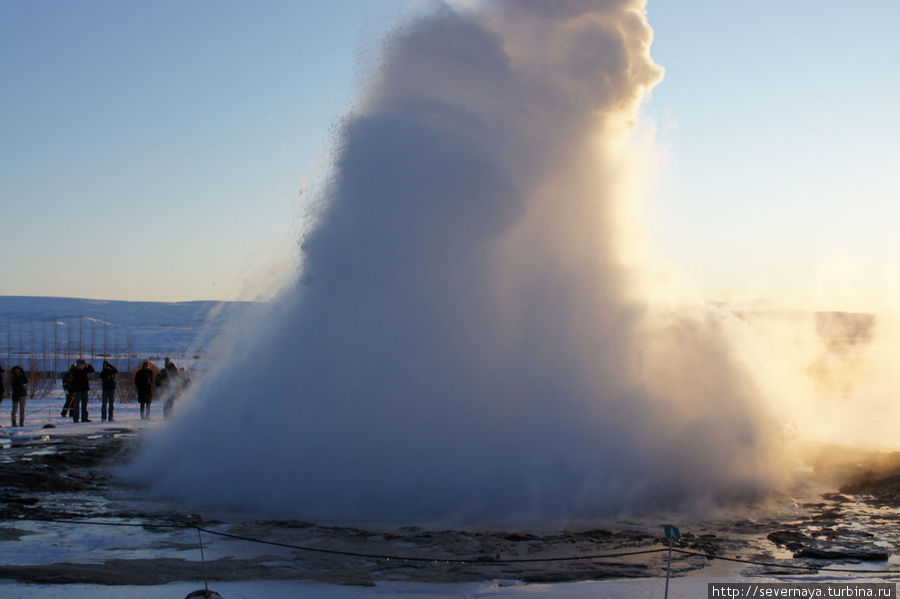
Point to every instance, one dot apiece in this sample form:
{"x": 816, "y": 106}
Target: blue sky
{"x": 155, "y": 150}
{"x": 780, "y": 124}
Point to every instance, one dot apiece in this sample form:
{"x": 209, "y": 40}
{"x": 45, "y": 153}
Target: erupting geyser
{"x": 466, "y": 340}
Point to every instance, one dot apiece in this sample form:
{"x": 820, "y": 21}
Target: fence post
{"x": 672, "y": 534}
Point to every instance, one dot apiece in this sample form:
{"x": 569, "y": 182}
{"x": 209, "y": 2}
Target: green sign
{"x": 672, "y": 532}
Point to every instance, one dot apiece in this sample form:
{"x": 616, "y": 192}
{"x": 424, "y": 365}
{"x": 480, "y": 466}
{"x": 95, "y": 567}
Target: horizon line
{"x": 98, "y": 299}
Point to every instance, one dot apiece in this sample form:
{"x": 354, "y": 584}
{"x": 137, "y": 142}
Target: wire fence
{"x": 46, "y": 347}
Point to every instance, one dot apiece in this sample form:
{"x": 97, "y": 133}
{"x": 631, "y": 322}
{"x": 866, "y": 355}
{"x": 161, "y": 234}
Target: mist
{"x": 472, "y": 336}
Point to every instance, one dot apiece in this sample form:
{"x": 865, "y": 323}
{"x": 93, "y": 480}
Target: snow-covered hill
{"x": 68, "y": 327}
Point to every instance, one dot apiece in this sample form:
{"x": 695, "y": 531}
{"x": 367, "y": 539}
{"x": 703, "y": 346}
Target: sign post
{"x": 672, "y": 535}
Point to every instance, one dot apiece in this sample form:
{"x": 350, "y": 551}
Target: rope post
{"x": 672, "y": 534}
{"x": 668, "y": 568}
{"x": 203, "y": 562}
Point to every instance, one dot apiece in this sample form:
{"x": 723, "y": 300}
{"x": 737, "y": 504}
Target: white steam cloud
{"x": 468, "y": 340}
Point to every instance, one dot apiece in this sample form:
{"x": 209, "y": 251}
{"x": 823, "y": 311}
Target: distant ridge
{"x": 29, "y": 324}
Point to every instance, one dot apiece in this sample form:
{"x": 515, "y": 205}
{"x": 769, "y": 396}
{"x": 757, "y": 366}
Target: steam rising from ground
{"x": 471, "y": 338}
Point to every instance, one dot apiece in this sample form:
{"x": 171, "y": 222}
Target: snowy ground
{"x": 649, "y": 588}
{"x": 41, "y": 412}
{"x": 154, "y": 563}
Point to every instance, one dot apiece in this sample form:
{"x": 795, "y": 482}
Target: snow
{"x": 45, "y": 543}
{"x": 42, "y": 411}
{"x": 86, "y": 326}
{"x": 644, "y": 588}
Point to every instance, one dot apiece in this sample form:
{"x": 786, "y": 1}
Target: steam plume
{"x": 467, "y": 340}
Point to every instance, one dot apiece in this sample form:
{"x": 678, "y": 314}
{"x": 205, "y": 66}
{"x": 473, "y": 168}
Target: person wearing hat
{"x": 108, "y": 379}
{"x": 80, "y": 387}
{"x": 143, "y": 382}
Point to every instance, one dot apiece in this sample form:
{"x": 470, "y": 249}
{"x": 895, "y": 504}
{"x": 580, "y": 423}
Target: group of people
{"x": 18, "y": 392}
{"x": 76, "y": 384}
{"x": 167, "y": 384}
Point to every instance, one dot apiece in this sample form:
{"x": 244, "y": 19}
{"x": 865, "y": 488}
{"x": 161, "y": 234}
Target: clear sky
{"x": 155, "y": 150}
{"x": 780, "y": 121}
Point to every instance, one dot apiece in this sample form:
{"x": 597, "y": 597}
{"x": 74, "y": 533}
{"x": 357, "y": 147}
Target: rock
{"x": 789, "y": 539}
{"x": 836, "y": 497}
{"x": 841, "y": 544}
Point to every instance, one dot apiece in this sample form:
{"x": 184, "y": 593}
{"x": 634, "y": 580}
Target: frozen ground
{"x": 50, "y": 477}
{"x": 41, "y": 412}
{"x": 648, "y": 588}
{"x": 683, "y": 588}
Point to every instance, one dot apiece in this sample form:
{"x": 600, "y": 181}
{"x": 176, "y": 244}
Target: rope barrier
{"x": 446, "y": 560}
{"x": 451, "y": 560}
{"x": 381, "y": 556}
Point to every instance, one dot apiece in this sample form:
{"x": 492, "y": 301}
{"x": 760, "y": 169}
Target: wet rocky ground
{"x": 58, "y": 495}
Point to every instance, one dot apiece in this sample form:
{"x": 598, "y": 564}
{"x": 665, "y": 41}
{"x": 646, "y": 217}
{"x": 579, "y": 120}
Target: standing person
{"x": 171, "y": 371}
{"x": 170, "y": 379}
{"x": 80, "y": 387}
{"x": 67, "y": 388}
{"x": 108, "y": 379}
{"x": 143, "y": 382}
{"x": 184, "y": 375}
{"x": 18, "y": 390}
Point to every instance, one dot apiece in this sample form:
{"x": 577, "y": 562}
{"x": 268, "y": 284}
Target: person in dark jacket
{"x": 18, "y": 390}
{"x": 108, "y": 396}
{"x": 143, "y": 382}
{"x": 170, "y": 386}
{"x": 80, "y": 387}
{"x": 68, "y": 409}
